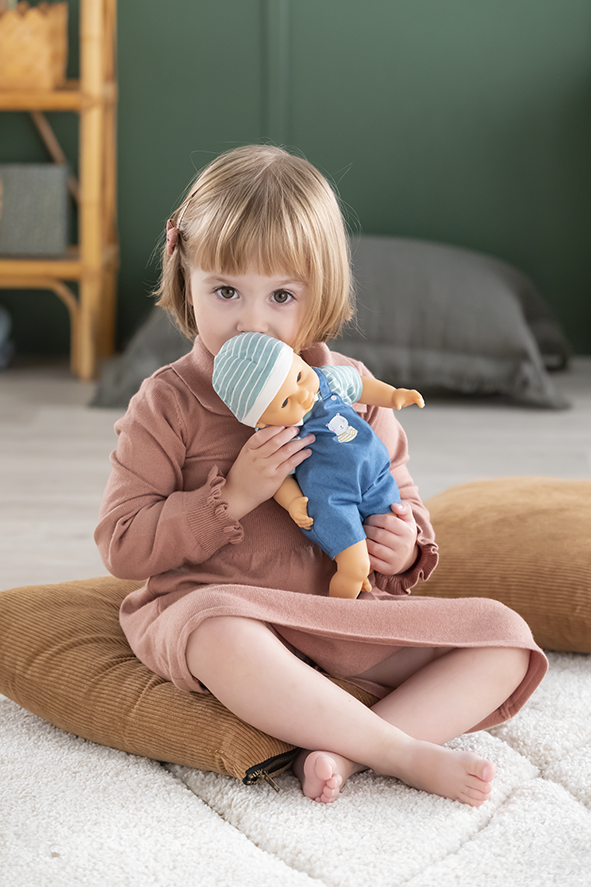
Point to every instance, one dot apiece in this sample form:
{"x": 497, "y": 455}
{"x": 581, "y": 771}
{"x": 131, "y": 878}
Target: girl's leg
{"x": 247, "y": 667}
{"x": 440, "y": 694}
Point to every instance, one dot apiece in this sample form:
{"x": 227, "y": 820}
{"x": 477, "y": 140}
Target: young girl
{"x": 237, "y": 600}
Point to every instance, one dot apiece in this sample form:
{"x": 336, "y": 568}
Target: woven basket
{"x": 34, "y": 46}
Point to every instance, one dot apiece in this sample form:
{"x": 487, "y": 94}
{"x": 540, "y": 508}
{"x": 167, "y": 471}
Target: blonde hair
{"x": 261, "y": 206}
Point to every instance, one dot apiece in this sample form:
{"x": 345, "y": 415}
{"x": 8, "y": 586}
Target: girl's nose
{"x": 252, "y": 322}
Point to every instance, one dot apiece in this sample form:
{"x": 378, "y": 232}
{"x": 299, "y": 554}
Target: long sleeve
{"x": 149, "y": 523}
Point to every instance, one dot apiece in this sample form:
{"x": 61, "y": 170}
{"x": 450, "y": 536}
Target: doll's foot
{"x": 352, "y": 573}
{"x": 322, "y": 775}
{"x": 344, "y": 587}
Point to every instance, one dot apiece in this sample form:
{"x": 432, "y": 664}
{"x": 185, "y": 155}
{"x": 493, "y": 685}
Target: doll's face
{"x": 295, "y": 397}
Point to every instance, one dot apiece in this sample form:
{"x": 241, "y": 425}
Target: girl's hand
{"x": 262, "y": 465}
{"x": 392, "y": 540}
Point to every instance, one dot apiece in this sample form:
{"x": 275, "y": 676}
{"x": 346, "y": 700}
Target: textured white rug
{"x": 72, "y": 813}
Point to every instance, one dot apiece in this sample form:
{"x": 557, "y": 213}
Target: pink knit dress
{"x": 163, "y": 518}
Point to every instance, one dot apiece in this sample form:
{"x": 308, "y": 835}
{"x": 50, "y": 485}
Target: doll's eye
{"x": 284, "y": 404}
{"x": 282, "y": 296}
{"x": 299, "y": 377}
{"x": 226, "y": 292}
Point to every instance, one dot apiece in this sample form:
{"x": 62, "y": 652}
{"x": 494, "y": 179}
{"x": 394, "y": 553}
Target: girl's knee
{"x": 218, "y": 637}
{"x": 219, "y": 631}
{"x": 518, "y": 661}
{"x": 209, "y": 641}
{"x": 508, "y": 664}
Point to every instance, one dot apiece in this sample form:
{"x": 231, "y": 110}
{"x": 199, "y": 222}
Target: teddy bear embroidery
{"x": 339, "y": 426}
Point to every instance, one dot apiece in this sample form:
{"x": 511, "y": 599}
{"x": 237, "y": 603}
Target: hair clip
{"x": 172, "y": 235}
{"x": 173, "y": 231}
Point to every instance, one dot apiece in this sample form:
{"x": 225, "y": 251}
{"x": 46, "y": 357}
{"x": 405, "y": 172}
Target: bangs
{"x": 260, "y": 236}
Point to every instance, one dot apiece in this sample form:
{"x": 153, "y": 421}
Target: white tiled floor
{"x": 54, "y": 459}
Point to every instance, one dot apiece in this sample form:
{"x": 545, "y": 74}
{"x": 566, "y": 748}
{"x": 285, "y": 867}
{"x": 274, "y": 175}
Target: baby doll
{"x": 347, "y": 477}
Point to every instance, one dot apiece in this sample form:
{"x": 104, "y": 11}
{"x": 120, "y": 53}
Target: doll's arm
{"x": 289, "y": 496}
{"x": 380, "y": 394}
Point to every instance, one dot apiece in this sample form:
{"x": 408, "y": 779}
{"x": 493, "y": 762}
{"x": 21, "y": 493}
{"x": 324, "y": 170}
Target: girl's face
{"x": 228, "y": 304}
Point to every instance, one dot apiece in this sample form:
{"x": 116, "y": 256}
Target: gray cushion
{"x": 430, "y": 316}
{"x": 156, "y": 343}
{"x": 434, "y": 316}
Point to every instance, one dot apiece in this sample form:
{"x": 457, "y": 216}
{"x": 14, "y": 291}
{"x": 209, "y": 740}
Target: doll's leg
{"x": 352, "y": 571}
{"x": 246, "y": 666}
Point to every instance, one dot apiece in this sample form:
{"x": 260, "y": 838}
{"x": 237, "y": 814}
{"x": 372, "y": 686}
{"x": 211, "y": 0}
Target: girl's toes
{"x": 320, "y": 778}
{"x": 331, "y": 790}
{"x": 471, "y": 802}
{"x": 333, "y": 785}
{"x": 473, "y": 795}
{"x": 478, "y": 785}
{"x": 484, "y": 770}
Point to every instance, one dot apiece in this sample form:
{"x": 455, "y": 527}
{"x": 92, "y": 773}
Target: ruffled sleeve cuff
{"x": 419, "y": 572}
{"x": 208, "y": 518}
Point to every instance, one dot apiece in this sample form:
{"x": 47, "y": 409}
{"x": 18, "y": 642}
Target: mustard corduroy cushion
{"x": 524, "y": 541}
{"x": 64, "y": 657}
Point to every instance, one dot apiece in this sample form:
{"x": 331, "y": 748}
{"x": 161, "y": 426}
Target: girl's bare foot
{"x": 321, "y": 774}
{"x": 460, "y": 775}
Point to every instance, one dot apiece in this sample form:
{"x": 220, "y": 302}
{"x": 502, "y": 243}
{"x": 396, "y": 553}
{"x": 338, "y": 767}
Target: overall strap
{"x": 325, "y": 389}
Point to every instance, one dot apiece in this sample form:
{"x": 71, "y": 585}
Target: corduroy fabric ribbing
{"x": 64, "y": 657}
{"x": 525, "y": 541}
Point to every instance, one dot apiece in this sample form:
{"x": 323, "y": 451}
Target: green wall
{"x": 461, "y": 121}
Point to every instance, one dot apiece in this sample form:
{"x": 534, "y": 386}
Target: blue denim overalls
{"x": 347, "y": 477}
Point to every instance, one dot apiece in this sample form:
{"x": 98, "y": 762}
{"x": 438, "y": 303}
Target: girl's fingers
{"x": 269, "y": 444}
{"x": 267, "y": 434}
{"x": 379, "y": 553}
{"x": 379, "y": 566}
{"x": 293, "y": 452}
{"x": 297, "y": 459}
{"x": 385, "y": 530}
{"x": 403, "y": 511}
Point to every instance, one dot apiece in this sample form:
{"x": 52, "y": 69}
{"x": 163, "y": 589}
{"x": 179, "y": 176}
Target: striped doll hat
{"x": 248, "y": 371}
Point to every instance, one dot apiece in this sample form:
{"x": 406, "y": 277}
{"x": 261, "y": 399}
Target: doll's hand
{"x": 262, "y": 465}
{"x": 392, "y": 540}
{"x": 404, "y": 397}
{"x": 298, "y": 511}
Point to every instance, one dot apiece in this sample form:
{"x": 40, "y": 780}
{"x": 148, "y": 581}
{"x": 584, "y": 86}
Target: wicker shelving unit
{"x": 95, "y": 260}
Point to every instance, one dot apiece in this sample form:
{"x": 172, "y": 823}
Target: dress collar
{"x": 195, "y": 370}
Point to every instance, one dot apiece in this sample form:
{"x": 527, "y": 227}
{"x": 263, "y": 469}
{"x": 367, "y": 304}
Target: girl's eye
{"x": 284, "y": 404}
{"x": 299, "y": 377}
{"x": 226, "y": 292}
{"x": 282, "y": 296}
